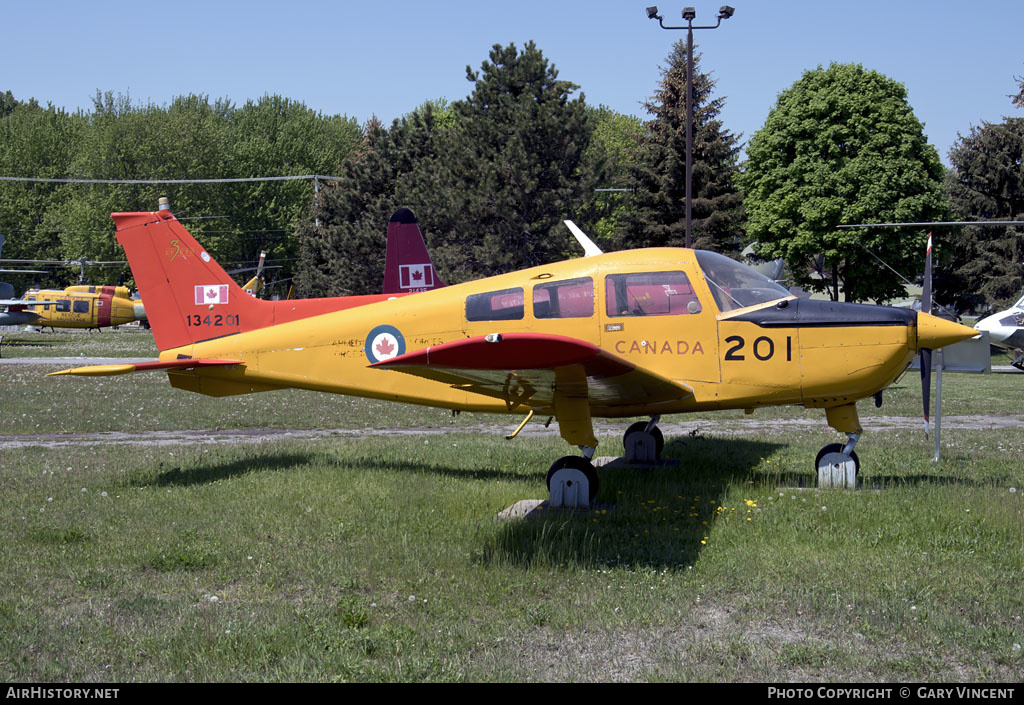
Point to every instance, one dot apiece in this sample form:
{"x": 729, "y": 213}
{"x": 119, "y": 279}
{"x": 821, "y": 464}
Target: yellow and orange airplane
{"x": 623, "y": 334}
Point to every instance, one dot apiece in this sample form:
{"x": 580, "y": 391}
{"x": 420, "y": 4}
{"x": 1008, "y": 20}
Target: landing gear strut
{"x": 1018, "y": 362}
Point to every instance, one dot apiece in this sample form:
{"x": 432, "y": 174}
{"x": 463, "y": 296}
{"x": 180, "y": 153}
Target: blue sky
{"x": 957, "y": 59}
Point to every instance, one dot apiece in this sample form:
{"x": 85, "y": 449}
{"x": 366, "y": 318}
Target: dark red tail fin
{"x": 407, "y": 267}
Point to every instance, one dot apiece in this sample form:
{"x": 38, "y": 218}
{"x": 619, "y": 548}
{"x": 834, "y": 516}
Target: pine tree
{"x": 509, "y": 170}
{"x": 658, "y": 215}
{"x": 987, "y": 182}
{"x": 342, "y": 246}
{"x": 490, "y": 178}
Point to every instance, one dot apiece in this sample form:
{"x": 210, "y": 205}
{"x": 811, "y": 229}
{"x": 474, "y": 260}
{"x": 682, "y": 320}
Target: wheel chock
{"x": 641, "y": 449}
{"x": 837, "y": 470}
{"x": 569, "y": 489}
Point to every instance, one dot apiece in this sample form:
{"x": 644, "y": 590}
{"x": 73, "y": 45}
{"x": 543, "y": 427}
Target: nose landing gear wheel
{"x": 836, "y": 468}
{"x": 835, "y": 448}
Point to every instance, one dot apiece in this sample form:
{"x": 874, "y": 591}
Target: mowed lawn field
{"x": 148, "y": 534}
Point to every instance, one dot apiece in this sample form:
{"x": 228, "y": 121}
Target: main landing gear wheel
{"x": 564, "y": 481}
{"x": 641, "y": 427}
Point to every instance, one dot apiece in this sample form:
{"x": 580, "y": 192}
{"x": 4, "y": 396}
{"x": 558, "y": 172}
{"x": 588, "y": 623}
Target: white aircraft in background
{"x": 1006, "y": 330}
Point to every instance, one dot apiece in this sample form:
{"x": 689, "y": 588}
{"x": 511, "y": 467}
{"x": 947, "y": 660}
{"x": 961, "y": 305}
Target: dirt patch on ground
{"x": 734, "y": 427}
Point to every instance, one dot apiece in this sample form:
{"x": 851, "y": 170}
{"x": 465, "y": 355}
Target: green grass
{"x": 127, "y": 341}
{"x": 379, "y": 557}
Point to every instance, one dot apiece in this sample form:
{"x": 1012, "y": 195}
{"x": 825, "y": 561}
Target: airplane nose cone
{"x": 993, "y": 326}
{"x": 934, "y": 332}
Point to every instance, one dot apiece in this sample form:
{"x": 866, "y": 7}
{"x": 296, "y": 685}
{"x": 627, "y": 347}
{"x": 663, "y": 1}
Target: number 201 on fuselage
{"x": 762, "y": 348}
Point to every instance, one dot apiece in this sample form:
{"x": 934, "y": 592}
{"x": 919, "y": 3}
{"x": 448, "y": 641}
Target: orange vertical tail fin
{"x": 189, "y": 297}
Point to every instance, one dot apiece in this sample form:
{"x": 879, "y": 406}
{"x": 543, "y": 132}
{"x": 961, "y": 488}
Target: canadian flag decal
{"x": 416, "y": 276}
{"x": 211, "y": 294}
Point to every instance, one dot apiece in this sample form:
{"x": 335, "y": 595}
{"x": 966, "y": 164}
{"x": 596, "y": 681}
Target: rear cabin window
{"x": 63, "y": 305}
{"x": 504, "y": 305}
{"x": 650, "y": 294}
{"x": 80, "y": 306}
{"x": 572, "y": 298}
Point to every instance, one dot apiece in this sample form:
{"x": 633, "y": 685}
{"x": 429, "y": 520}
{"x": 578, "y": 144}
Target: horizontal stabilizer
{"x": 103, "y": 370}
{"x": 530, "y": 369}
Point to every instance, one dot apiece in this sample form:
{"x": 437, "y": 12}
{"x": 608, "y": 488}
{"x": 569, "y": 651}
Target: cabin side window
{"x": 79, "y": 306}
{"x": 503, "y": 305}
{"x": 650, "y": 294}
{"x": 63, "y": 305}
{"x": 572, "y": 298}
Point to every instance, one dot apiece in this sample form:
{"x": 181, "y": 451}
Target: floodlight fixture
{"x": 689, "y": 14}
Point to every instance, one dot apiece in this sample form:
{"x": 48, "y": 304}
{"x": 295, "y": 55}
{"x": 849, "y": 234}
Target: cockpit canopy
{"x": 735, "y": 285}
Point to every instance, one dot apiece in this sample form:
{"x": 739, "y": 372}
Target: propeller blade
{"x": 926, "y": 386}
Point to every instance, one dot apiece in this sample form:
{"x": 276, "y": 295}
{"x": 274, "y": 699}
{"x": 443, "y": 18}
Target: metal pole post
{"x": 937, "y": 356}
{"x": 725, "y": 12}
{"x": 316, "y": 197}
{"x": 689, "y": 133}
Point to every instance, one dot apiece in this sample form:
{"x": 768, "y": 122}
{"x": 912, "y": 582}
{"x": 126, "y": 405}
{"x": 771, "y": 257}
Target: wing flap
{"x": 529, "y": 369}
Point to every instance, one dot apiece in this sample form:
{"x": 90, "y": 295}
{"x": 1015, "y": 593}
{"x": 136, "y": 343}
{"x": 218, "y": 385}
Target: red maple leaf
{"x": 211, "y": 293}
{"x": 384, "y": 347}
{"x": 418, "y": 274}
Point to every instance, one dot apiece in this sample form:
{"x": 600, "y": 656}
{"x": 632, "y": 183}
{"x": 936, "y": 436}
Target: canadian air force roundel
{"x": 383, "y": 343}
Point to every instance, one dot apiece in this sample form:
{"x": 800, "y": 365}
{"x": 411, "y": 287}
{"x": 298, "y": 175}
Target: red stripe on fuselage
{"x": 104, "y": 304}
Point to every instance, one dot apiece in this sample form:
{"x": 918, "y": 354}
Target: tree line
{"x": 191, "y": 138}
{"x": 492, "y": 176}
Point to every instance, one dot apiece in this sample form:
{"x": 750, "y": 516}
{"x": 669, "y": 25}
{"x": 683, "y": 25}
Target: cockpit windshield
{"x": 736, "y": 285}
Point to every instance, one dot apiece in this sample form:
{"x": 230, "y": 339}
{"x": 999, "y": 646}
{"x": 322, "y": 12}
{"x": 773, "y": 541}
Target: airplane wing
{"x": 102, "y": 370}
{"x": 530, "y": 369}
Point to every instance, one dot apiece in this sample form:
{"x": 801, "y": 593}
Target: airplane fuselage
{"x": 1005, "y": 328}
{"x": 653, "y": 308}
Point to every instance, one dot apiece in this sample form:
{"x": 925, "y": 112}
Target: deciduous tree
{"x": 986, "y": 182}
{"x": 842, "y": 146}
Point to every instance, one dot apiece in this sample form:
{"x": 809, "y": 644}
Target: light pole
{"x": 689, "y": 14}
